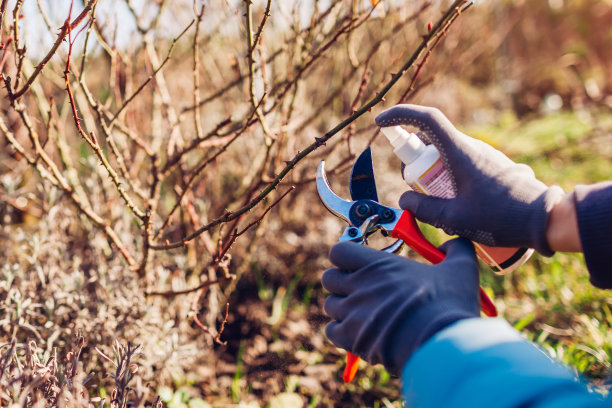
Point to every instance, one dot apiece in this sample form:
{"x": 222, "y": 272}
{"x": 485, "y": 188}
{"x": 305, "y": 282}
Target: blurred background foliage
{"x": 530, "y": 77}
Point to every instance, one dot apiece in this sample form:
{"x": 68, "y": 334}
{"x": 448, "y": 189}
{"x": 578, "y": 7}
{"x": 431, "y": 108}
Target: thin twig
{"x": 264, "y": 19}
{"x": 250, "y": 59}
{"x": 365, "y": 78}
{"x": 197, "y": 123}
{"x": 19, "y": 52}
{"x": 199, "y": 142}
{"x": 226, "y": 243}
{"x": 147, "y": 228}
{"x": 261, "y": 217}
{"x": 150, "y": 77}
{"x": 215, "y": 337}
{"x": 173, "y": 293}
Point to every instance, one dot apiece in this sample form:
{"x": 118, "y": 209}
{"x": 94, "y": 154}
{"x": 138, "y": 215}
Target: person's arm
{"x": 562, "y": 229}
{"x": 581, "y": 222}
{"x": 486, "y": 363}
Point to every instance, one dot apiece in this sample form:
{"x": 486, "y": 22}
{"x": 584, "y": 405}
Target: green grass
{"x": 565, "y": 148}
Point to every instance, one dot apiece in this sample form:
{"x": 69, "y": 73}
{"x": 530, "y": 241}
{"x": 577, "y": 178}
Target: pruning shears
{"x": 366, "y": 216}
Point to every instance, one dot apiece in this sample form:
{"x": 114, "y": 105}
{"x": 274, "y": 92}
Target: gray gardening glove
{"x": 498, "y": 202}
{"x": 386, "y": 306}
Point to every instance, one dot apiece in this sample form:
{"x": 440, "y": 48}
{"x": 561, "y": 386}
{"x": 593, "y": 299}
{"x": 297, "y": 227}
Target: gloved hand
{"x": 385, "y": 306}
{"x": 498, "y": 202}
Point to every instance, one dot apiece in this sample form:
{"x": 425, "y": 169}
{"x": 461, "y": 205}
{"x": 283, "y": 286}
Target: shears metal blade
{"x": 362, "y": 185}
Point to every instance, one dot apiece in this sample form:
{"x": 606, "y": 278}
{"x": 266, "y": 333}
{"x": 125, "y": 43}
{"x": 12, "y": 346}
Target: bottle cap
{"x": 407, "y": 146}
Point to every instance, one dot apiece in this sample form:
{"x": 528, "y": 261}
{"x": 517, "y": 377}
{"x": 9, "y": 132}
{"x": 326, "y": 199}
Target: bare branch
{"x": 439, "y": 29}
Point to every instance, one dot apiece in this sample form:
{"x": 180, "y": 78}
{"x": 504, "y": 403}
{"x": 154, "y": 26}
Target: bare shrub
{"x": 146, "y": 170}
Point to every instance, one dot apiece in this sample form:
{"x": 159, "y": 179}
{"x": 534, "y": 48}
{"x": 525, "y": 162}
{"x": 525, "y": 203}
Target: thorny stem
{"x": 65, "y": 30}
{"x": 261, "y": 25}
{"x": 438, "y": 30}
{"x": 93, "y": 143}
{"x": 19, "y": 52}
{"x": 151, "y": 209}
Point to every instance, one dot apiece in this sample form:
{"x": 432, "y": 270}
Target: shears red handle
{"x": 408, "y": 231}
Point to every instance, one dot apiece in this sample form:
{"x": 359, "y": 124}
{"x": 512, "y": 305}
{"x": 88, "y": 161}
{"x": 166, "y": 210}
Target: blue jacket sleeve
{"x": 486, "y": 363}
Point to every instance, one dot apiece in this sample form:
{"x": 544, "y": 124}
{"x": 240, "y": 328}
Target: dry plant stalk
{"x": 27, "y": 380}
{"x": 164, "y": 163}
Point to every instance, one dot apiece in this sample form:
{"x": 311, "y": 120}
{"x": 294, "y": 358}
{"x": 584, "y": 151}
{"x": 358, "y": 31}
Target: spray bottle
{"x": 424, "y": 172}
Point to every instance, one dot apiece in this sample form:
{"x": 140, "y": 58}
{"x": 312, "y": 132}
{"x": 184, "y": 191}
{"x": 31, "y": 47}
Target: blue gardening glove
{"x": 385, "y": 306}
{"x": 498, "y": 202}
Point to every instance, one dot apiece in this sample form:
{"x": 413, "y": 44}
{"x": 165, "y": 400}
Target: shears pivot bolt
{"x": 363, "y": 211}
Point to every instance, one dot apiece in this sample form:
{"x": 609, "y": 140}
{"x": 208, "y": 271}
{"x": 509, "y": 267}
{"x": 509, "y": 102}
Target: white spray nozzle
{"x": 407, "y": 146}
